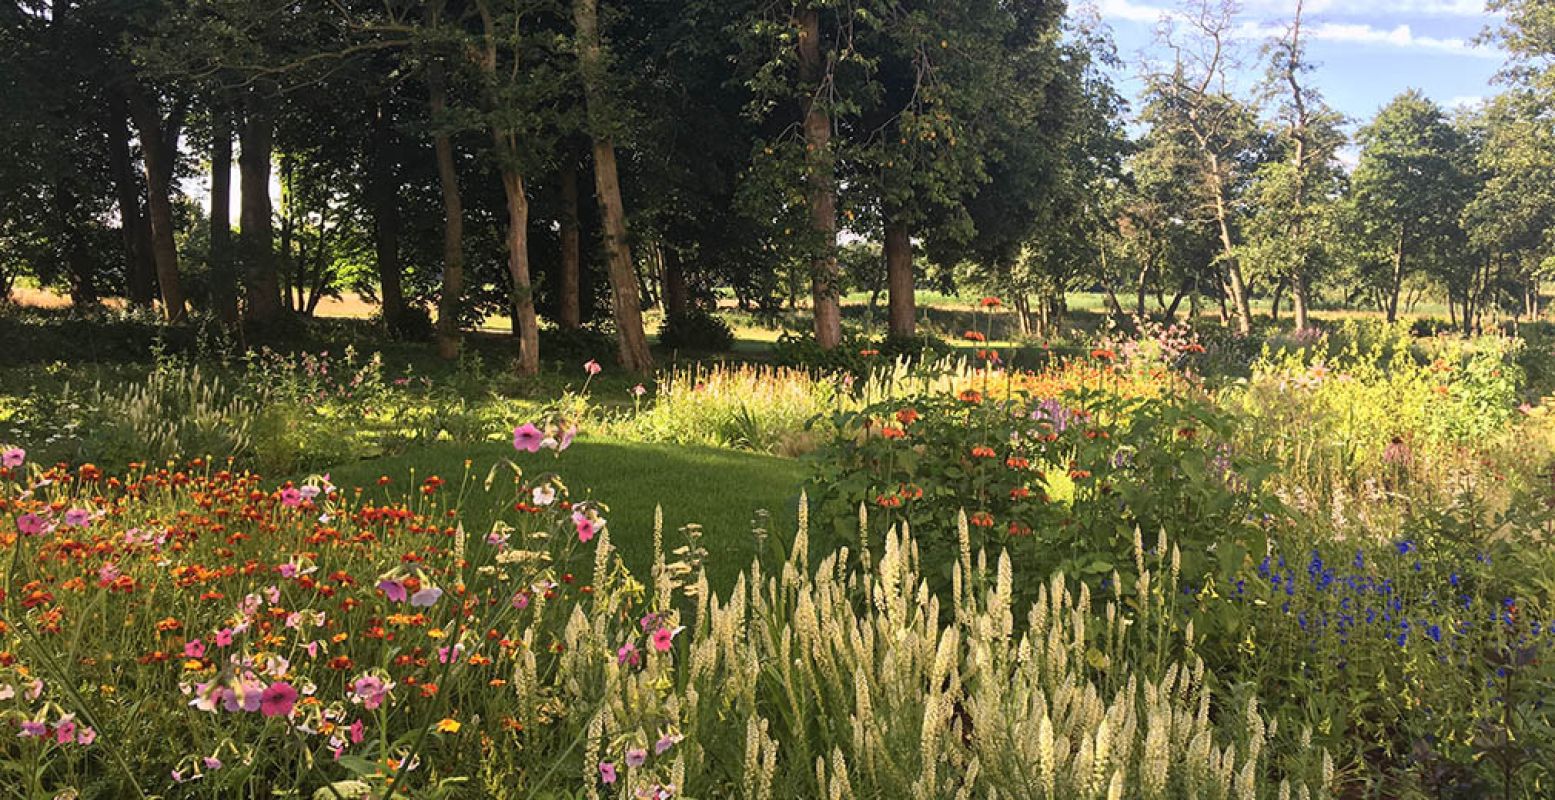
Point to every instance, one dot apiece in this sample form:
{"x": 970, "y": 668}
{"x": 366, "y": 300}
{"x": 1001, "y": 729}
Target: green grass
{"x": 719, "y": 489}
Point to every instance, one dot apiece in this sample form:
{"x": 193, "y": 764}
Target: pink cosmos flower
{"x": 77, "y": 517}
{"x": 663, "y": 639}
{"x": 607, "y": 772}
{"x": 394, "y": 590}
{"x": 636, "y": 757}
{"x": 194, "y": 648}
{"x": 12, "y": 457}
{"x": 592, "y": 367}
{"x": 291, "y": 496}
{"x": 527, "y": 438}
{"x": 426, "y": 597}
{"x": 30, "y": 524}
{"x": 278, "y": 699}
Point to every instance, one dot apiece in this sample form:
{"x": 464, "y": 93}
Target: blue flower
{"x": 1405, "y": 546}
{"x": 1435, "y": 632}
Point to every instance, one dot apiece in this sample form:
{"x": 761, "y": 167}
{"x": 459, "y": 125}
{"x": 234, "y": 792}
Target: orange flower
{"x": 970, "y": 396}
{"x": 983, "y": 451}
{"x": 892, "y": 432}
{"x": 1103, "y": 354}
{"x": 907, "y": 416}
{"x": 990, "y": 302}
{"x": 974, "y": 336}
{"x": 981, "y": 519}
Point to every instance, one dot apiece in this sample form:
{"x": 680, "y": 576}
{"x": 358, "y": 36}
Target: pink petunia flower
{"x": 77, "y": 517}
{"x": 370, "y": 691}
{"x": 394, "y": 590}
{"x": 194, "y": 648}
{"x": 426, "y": 597}
{"x": 607, "y": 772}
{"x": 30, "y": 524}
{"x": 627, "y": 655}
{"x": 65, "y": 730}
{"x": 31, "y": 729}
{"x": 665, "y": 742}
{"x": 636, "y": 757}
{"x": 663, "y": 639}
{"x": 528, "y": 438}
{"x": 566, "y": 438}
{"x": 277, "y": 699}
{"x": 224, "y": 637}
{"x": 85, "y": 735}
{"x": 291, "y": 496}
{"x": 358, "y": 732}
{"x": 12, "y": 457}
{"x": 585, "y": 526}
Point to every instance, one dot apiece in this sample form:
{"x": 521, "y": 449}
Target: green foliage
{"x": 696, "y": 329}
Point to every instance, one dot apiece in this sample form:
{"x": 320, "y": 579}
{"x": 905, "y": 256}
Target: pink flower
{"x": 527, "y": 438}
{"x": 447, "y": 654}
{"x": 358, "y": 732}
{"x": 32, "y": 729}
{"x": 665, "y": 742}
{"x": 627, "y": 655}
{"x": 521, "y": 600}
{"x": 277, "y": 699}
{"x": 566, "y": 438}
{"x": 65, "y": 731}
{"x": 224, "y": 637}
{"x": 291, "y": 496}
{"x": 287, "y": 570}
{"x": 107, "y": 573}
{"x": 607, "y": 772}
{"x": 636, "y": 757}
{"x": 12, "y": 457}
{"x": 394, "y": 590}
{"x": 194, "y": 649}
{"x": 370, "y": 691}
{"x": 592, "y": 367}
{"x": 663, "y": 639}
{"x": 585, "y": 526}
{"x": 426, "y": 597}
{"x": 77, "y": 517}
{"x": 86, "y": 735}
{"x": 639, "y": 390}
{"x": 30, "y": 524}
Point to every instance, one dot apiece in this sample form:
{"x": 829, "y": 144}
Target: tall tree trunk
{"x": 383, "y": 188}
{"x": 158, "y": 143}
{"x": 256, "y": 234}
{"x": 569, "y": 306}
{"x": 902, "y": 314}
{"x": 133, "y": 226}
{"x": 1300, "y": 302}
{"x": 1236, "y": 285}
{"x": 450, "y": 299}
{"x": 1274, "y": 302}
{"x": 526, "y": 324}
{"x": 677, "y": 298}
{"x": 1396, "y": 280}
{"x": 624, "y": 291}
{"x": 224, "y": 279}
{"x": 820, "y": 184}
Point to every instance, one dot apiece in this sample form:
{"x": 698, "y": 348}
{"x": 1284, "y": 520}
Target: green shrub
{"x": 696, "y": 329}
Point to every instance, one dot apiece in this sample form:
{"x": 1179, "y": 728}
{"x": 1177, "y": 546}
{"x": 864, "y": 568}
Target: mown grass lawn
{"x": 719, "y": 489}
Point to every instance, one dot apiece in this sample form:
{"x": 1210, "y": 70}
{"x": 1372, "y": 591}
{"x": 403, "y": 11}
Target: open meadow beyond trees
{"x": 846, "y": 399}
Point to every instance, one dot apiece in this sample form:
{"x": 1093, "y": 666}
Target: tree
{"x": 1512, "y": 216}
{"x": 1408, "y": 190}
{"x": 1192, "y": 99}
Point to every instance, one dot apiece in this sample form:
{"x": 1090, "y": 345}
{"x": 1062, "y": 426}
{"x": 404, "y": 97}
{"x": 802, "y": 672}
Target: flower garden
{"x": 1164, "y": 564}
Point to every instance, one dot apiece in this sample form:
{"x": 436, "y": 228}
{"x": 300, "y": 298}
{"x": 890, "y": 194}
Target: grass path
{"x": 719, "y": 489}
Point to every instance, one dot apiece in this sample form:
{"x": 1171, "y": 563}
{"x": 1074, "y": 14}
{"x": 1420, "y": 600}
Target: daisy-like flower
{"x": 528, "y": 438}
{"x": 448, "y": 725}
{"x": 12, "y": 457}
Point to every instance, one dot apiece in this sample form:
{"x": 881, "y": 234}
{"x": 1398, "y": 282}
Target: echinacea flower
{"x": 277, "y": 699}
{"x": 12, "y": 457}
{"x": 527, "y": 438}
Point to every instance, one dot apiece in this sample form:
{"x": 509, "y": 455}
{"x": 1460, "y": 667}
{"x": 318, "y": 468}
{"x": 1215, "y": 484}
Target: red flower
{"x": 990, "y": 302}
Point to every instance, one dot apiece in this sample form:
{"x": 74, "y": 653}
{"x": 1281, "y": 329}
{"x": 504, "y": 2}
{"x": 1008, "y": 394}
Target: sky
{"x": 1365, "y": 51}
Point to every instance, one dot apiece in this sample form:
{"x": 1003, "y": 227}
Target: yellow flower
{"x": 436, "y": 633}
{"x": 448, "y": 725}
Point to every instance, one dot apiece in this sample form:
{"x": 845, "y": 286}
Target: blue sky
{"x": 1366, "y": 51}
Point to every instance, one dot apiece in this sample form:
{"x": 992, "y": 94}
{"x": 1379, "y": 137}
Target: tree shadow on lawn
{"x": 719, "y": 489}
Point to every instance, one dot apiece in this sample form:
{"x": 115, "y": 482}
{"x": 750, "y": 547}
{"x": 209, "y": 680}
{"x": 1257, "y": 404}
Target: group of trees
{"x": 579, "y": 160}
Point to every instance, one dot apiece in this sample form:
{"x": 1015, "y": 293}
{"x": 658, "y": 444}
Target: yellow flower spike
{"x": 448, "y": 725}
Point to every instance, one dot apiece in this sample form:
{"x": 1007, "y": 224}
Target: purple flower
{"x": 636, "y": 757}
{"x": 12, "y": 457}
{"x": 607, "y": 772}
{"x": 394, "y": 590}
{"x": 426, "y": 597}
{"x": 527, "y": 438}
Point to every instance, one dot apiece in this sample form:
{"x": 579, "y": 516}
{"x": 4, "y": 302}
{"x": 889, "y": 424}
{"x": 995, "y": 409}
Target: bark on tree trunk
{"x": 224, "y": 280}
{"x": 450, "y": 299}
{"x": 1274, "y": 302}
{"x": 902, "y": 313}
{"x": 526, "y": 324}
{"x": 256, "y": 235}
{"x": 1300, "y": 301}
{"x": 134, "y": 227}
{"x": 383, "y": 187}
{"x": 1396, "y": 281}
{"x": 624, "y": 290}
{"x": 820, "y": 185}
{"x": 569, "y": 308}
{"x": 677, "y": 298}
{"x": 157, "y": 142}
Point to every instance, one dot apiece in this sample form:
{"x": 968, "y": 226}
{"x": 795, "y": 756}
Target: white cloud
{"x": 1379, "y": 8}
{"x": 1131, "y": 11}
{"x": 1400, "y": 36}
